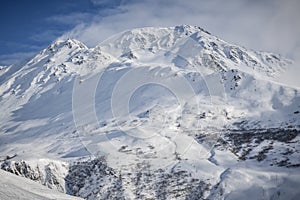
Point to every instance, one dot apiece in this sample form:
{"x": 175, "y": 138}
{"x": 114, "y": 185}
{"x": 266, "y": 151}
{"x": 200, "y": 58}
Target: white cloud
{"x": 292, "y": 75}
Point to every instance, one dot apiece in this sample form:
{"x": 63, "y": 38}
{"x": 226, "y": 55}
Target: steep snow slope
{"x": 15, "y": 187}
{"x": 171, "y": 112}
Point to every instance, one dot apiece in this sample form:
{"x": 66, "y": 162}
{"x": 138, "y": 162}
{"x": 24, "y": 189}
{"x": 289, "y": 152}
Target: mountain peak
{"x": 193, "y": 42}
{"x": 190, "y": 28}
{"x": 69, "y": 43}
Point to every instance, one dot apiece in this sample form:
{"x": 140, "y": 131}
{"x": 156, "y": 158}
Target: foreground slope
{"x": 15, "y": 187}
{"x": 152, "y": 113}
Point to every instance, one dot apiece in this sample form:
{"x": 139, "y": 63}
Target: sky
{"x": 28, "y": 26}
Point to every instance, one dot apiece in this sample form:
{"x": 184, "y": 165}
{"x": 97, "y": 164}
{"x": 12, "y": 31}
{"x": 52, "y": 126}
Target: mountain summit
{"x": 156, "y": 113}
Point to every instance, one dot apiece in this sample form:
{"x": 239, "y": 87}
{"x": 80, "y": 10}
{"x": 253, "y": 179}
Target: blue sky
{"x": 28, "y": 26}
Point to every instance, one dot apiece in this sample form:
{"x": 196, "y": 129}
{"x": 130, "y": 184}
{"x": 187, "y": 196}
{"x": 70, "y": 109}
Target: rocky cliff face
{"x": 46, "y": 172}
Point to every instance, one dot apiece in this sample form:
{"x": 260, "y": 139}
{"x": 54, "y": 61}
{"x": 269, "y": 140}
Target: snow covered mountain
{"x": 163, "y": 113}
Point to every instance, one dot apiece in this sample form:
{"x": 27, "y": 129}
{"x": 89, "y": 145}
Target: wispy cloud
{"x": 28, "y": 47}
{"x": 46, "y": 35}
{"x": 108, "y": 3}
{"x": 291, "y": 75}
{"x": 74, "y": 18}
{"x": 8, "y": 59}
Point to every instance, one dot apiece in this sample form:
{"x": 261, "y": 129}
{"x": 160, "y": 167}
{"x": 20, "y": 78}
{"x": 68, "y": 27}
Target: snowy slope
{"x": 171, "y": 113}
{"x": 15, "y": 187}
